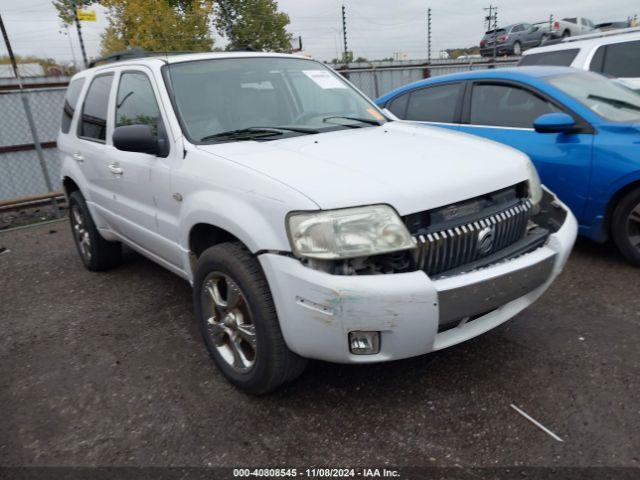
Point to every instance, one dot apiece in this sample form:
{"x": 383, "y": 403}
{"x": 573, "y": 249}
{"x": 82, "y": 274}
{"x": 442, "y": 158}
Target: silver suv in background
{"x": 615, "y": 54}
{"x": 511, "y": 40}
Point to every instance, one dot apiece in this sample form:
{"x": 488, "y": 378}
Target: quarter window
{"x": 398, "y": 106}
{"x": 435, "y": 104}
{"x": 70, "y": 102}
{"x": 93, "y": 121}
{"x": 136, "y": 102}
{"x": 506, "y": 106}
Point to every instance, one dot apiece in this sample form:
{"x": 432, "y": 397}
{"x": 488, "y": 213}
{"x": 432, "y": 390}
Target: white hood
{"x": 410, "y": 167}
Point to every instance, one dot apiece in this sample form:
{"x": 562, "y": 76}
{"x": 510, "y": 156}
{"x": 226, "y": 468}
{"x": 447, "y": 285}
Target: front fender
{"x": 257, "y": 221}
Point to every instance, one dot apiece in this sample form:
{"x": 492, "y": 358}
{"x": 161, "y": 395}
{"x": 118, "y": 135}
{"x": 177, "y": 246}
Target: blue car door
{"x": 505, "y": 111}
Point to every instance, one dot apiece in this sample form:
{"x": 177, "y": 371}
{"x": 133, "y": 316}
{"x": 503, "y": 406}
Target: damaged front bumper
{"x": 413, "y": 313}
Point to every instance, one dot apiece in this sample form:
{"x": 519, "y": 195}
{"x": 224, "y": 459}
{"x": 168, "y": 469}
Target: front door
{"x": 143, "y": 181}
{"x": 506, "y": 112}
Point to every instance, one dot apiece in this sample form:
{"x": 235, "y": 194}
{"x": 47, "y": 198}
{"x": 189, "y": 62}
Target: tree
{"x": 152, "y": 25}
{"x": 158, "y": 25}
{"x": 65, "y": 8}
{"x": 253, "y": 24}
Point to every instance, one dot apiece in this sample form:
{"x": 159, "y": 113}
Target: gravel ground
{"x": 109, "y": 369}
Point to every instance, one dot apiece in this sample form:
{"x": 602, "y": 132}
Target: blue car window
{"x": 398, "y": 106}
{"x": 610, "y": 100}
{"x": 435, "y": 104}
{"x": 506, "y": 106}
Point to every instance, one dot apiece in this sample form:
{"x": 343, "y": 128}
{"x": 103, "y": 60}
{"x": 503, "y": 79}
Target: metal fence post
{"x": 376, "y": 87}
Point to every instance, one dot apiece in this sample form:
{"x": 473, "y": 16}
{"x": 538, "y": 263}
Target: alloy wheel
{"x": 633, "y": 227}
{"x": 81, "y": 232}
{"x": 229, "y": 323}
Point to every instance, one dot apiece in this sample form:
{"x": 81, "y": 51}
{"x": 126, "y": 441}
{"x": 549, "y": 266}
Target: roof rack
{"x": 608, "y": 33}
{"x": 130, "y": 54}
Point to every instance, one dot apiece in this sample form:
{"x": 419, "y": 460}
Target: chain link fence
{"x": 29, "y": 163}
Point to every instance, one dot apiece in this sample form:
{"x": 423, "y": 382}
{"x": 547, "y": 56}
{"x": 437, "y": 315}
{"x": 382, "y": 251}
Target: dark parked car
{"x": 511, "y": 40}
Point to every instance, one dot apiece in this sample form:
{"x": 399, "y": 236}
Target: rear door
{"x": 91, "y": 145}
{"x": 439, "y": 105}
{"x": 505, "y": 112}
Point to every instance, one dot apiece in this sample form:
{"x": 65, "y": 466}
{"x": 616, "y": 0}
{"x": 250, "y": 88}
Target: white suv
{"x": 309, "y": 223}
{"x": 615, "y": 54}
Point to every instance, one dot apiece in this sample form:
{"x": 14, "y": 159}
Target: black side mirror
{"x": 136, "y": 138}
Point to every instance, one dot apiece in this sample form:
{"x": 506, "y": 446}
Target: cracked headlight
{"x": 535, "y": 187}
{"x": 347, "y": 233}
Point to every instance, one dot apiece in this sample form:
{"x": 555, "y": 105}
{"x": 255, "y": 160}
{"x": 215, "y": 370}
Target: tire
{"x": 243, "y": 340}
{"x": 625, "y": 227}
{"x": 96, "y": 253}
{"x": 517, "y": 49}
{"x": 566, "y": 34}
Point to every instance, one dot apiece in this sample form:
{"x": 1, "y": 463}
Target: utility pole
{"x": 75, "y": 17}
{"x": 429, "y": 35}
{"x": 32, "y": 124}
{"x": 488, "y": 18}
{"x": 345, "y": 55}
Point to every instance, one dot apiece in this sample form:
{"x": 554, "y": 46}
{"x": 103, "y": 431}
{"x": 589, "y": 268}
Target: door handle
{"x": 115, "y": 168}
{"x": 78, "y": 157}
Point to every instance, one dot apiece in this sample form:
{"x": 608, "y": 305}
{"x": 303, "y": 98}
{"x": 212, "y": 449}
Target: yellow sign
{"x": 86, "y": 15}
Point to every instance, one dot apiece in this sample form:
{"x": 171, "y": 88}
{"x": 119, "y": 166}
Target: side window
{"x": 506, "y": 106}
{"x": 584, "y": 22}
{"x": 558, "y": 58}
{"x": 435, "y": 104}
{"x": 93, "y": 120}
{"x": 517, "y": 28}
{"x": 398, "y": 105}
{"x": 70, "y": 102}
{"x": 621, "y": 60}
{"x": 136, "y": 102}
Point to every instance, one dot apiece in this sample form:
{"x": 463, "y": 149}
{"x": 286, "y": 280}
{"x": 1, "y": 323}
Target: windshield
{"x": 233, "y": 99}
{"x": 607, "y": 98}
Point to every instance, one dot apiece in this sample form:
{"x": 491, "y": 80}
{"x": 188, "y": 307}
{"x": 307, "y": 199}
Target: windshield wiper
{"x": 355, "y": 119}
{"x": 615, "y": 102}
{"x": 257, "y": 132}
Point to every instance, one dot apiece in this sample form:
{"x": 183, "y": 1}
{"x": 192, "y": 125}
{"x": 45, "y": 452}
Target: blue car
{"x": 581, "y": 130}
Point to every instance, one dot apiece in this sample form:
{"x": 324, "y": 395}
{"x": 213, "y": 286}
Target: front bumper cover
{"x": 317, "y": 310}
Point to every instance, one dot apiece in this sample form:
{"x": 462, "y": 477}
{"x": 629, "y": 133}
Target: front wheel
{"x": 238, "y": 320}
{"x": 625, "y": 227}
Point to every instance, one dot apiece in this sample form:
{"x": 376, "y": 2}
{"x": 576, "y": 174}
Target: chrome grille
{"x": 443, "y": 249}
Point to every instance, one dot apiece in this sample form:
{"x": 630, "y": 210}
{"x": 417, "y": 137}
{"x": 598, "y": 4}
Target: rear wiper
{"x": 615, "y": 102}
{"x": 256, "y": 132}
{"x": 355, "y": 119}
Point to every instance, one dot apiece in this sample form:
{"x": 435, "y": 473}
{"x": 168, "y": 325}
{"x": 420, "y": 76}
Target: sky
{"x": 375, "y": 28}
